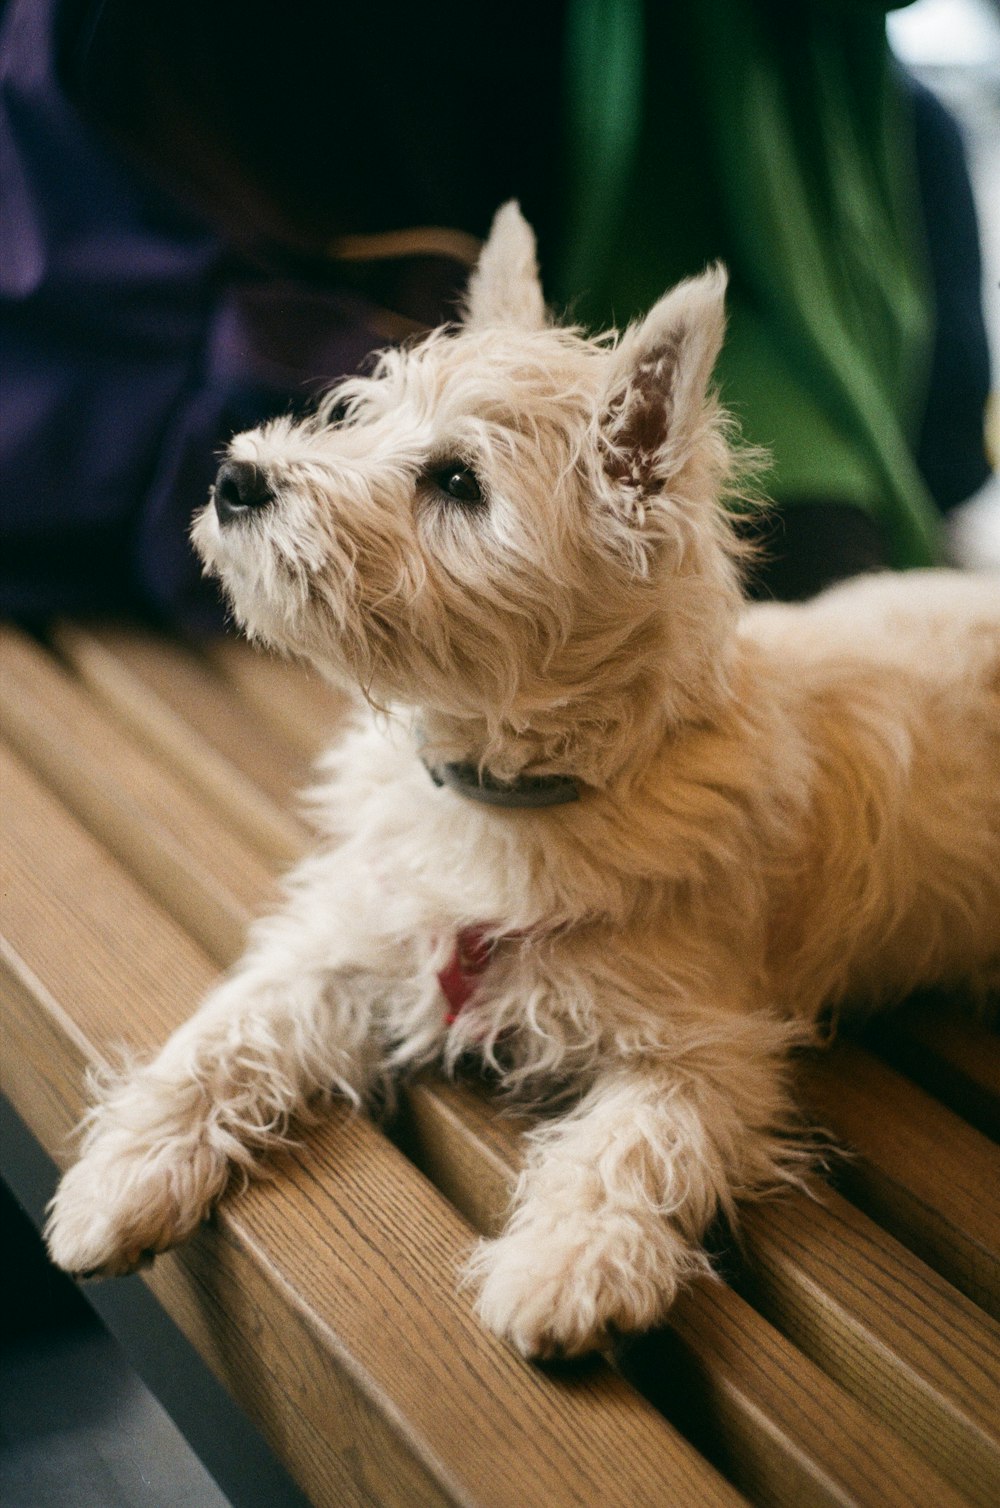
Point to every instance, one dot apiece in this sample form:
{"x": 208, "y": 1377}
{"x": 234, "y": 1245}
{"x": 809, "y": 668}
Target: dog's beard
{"x": 266, "y": 592}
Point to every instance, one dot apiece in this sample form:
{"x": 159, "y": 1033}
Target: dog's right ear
{"x": 504, "y": 288}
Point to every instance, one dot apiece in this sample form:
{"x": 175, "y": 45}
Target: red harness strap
{"x": 474, "y": 948}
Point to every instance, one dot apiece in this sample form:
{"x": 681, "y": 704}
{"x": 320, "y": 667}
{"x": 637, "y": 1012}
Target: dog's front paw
{"x": 565, "y": 1287}
{"x": 125, "y": 1201}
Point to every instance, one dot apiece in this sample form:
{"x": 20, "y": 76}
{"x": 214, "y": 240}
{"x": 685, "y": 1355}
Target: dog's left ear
{"x": 658, "y": 383}
{"x": 504, "y": 288}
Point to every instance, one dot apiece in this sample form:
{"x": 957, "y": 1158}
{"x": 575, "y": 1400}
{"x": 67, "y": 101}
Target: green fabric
{"x": 772, "y": 135}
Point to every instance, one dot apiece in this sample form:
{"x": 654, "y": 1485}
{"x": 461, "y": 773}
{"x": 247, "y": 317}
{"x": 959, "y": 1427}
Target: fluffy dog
{"x": 596, "y": 820}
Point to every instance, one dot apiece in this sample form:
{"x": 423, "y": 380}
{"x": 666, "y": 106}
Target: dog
{"x": 595, "y": 820}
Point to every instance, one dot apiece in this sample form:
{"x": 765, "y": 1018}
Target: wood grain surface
{"x": 293, "y": 701}
{"x": 918, "y": 1168}
{"x": 948, "y": 1052}
{"x": 913, "y": 1354}
{"x": 195, "y": 723}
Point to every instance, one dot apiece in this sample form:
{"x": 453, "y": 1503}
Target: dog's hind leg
{"x": 616, "y": 1196}
{"x": 296, "y": 1018}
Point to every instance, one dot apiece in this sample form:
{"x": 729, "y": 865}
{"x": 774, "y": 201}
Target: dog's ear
{"x": 504, "y": 288}
{"x": 658, "y": 383}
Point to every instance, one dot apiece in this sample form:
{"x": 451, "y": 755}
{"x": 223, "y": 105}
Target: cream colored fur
{"x": 783, "y": 809}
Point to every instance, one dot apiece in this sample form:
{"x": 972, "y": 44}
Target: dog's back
{"x": 894, "y": 684}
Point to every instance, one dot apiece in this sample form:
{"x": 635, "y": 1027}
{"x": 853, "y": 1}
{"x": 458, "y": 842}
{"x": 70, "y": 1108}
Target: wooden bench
{"x": 850, "y": 1356}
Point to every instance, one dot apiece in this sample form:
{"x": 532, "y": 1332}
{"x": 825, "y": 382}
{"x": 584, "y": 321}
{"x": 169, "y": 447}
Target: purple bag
{"x": 134, "y": 344}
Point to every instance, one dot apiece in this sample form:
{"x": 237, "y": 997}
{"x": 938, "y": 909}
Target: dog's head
{"x": 509, "y": 526}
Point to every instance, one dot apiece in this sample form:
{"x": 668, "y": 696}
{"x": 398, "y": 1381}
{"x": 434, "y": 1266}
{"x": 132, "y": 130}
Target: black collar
{"x": 525, "y": 790}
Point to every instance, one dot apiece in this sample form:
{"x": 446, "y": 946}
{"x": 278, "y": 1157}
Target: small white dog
{"x": 596, "y": 820}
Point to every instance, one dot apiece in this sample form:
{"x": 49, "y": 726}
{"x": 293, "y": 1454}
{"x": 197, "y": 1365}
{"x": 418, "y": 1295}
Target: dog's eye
{"x": 458, "y": 481}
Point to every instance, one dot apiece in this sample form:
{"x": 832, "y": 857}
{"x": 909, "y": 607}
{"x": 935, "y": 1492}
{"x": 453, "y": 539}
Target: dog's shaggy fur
{"x": 782, "y": 809}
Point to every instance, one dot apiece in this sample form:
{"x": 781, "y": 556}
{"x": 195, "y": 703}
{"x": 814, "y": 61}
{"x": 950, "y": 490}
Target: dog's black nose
{"x": 240, "y": 487}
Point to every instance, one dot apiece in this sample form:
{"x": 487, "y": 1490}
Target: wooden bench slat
{"x": 197, "y": 727}
{"x": 341, "y": 1271}
{"x": 186, "y": 681}
{"x": 888, "y": 1328}
{"x": 790, "y": 1433}
{"x": 120, "y": 967}
{"x": 291, "y": 700}
{"x": 953, "y": 1056}
{"x": 930, "y": 1179}
{"x": 208, "y": 879}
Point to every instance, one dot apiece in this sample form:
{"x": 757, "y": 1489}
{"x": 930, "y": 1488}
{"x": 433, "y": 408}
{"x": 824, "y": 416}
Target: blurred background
{"x": 214, "y": 209}
{"x": 953, "y": 47}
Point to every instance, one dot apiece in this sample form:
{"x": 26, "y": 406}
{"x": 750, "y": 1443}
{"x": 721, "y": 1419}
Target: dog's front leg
{"x": 616, "y": 1196}
{"x": 297, "y": 1017}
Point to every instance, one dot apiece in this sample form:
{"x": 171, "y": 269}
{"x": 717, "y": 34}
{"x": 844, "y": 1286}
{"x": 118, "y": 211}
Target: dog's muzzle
{"x": 241, "y": 488}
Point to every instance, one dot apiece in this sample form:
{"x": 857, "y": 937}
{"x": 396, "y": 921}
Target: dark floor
{"x": 78, "y": 1427}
